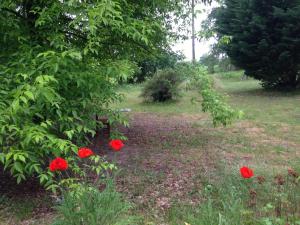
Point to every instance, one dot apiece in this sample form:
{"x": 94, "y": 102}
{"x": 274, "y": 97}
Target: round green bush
{"x": 163, "y": 86}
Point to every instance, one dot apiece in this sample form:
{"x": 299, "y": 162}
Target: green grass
{"x": 234, "y": 201}
{"x": 278, "y": 113}
{"x": 204, "y": 161}
{"x": 266, "y": 139}
{"x": 261, "y": 105}
{"x": 137, "y": 104}
{"x": 258, "y": 104}
{"x": 93, "y": 207}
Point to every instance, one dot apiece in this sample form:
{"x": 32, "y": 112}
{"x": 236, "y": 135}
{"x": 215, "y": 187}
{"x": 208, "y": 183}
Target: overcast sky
{"x": 201, "y": 47}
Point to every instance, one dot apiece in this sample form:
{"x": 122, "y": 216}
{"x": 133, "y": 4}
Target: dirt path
{"x": 165, "y": 160}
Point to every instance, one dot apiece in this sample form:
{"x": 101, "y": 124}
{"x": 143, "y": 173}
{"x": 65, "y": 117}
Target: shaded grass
{"x": 25, "y": 210}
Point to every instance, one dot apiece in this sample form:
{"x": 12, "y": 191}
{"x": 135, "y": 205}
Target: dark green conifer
{"x": 264, "y": 39}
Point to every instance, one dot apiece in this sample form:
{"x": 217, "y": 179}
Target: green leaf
{"x": 21, "y": 158}
{"x": 29, "y": 94}
{"x": 2, "y": 158}
{"x": 18, "y": 167}
{"x": 23, "y": 99}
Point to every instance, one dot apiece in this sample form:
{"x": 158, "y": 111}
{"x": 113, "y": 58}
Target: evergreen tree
{"x": 264, "y": 39}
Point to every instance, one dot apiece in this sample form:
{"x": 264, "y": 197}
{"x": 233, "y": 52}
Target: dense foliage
{"x": 59, "y": 64}
{"x": 212, "y": 102}
{"x": 163, "y": 86}
{"x": 150, "y": 65}
{"x": 263, "y": 39}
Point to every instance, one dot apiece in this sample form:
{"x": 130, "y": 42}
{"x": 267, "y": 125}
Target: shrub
{"x": 42, "y": 118}
{"x": 87, "y": 205}
{"x": 163, "y": 86}
{"x": 212, "y": 101}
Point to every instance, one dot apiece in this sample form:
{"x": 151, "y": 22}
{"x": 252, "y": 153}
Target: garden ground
{"x": 173, "y": 151}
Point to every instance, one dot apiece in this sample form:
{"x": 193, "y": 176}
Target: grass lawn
{"x": 133, "y": 100}
{"x": 176, "y": 168}
{"x": 174, "y": 152}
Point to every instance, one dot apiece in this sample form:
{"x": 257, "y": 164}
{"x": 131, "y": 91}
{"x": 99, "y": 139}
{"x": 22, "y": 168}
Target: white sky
{"x": 201, "y": 47}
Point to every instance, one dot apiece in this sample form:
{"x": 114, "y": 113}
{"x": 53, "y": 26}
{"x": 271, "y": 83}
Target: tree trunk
{"x": 193, "y": 32}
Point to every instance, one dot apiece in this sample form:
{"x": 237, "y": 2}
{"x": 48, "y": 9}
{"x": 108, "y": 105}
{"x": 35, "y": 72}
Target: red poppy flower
{"x": 246, "y": 172}
{"x": 85, "y": 152}
{"x": 116, "y": 145}
{"x": 58, "y": 164}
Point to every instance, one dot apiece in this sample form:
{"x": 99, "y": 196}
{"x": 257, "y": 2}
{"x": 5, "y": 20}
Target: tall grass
{"x": 89, "y": 206}
{"x": 235, "y": 201}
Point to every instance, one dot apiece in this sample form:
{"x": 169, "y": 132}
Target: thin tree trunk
{"x": 193, "y": 32}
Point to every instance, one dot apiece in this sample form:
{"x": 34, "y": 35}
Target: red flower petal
{"x": 116, "y": 144}
{"x": 58, "y": 164}
{"x": 246, "y": 172}
{"x": 85, "y": 152}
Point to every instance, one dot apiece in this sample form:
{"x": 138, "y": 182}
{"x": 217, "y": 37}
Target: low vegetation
{"x": 182, "y": 170}
{"x": 234, "y": 200}
{"x": 91, "y": 206}
{"x": 80, "y": 145}
{"x": 176, "y": 168}
{"x": 163, "y": 86}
